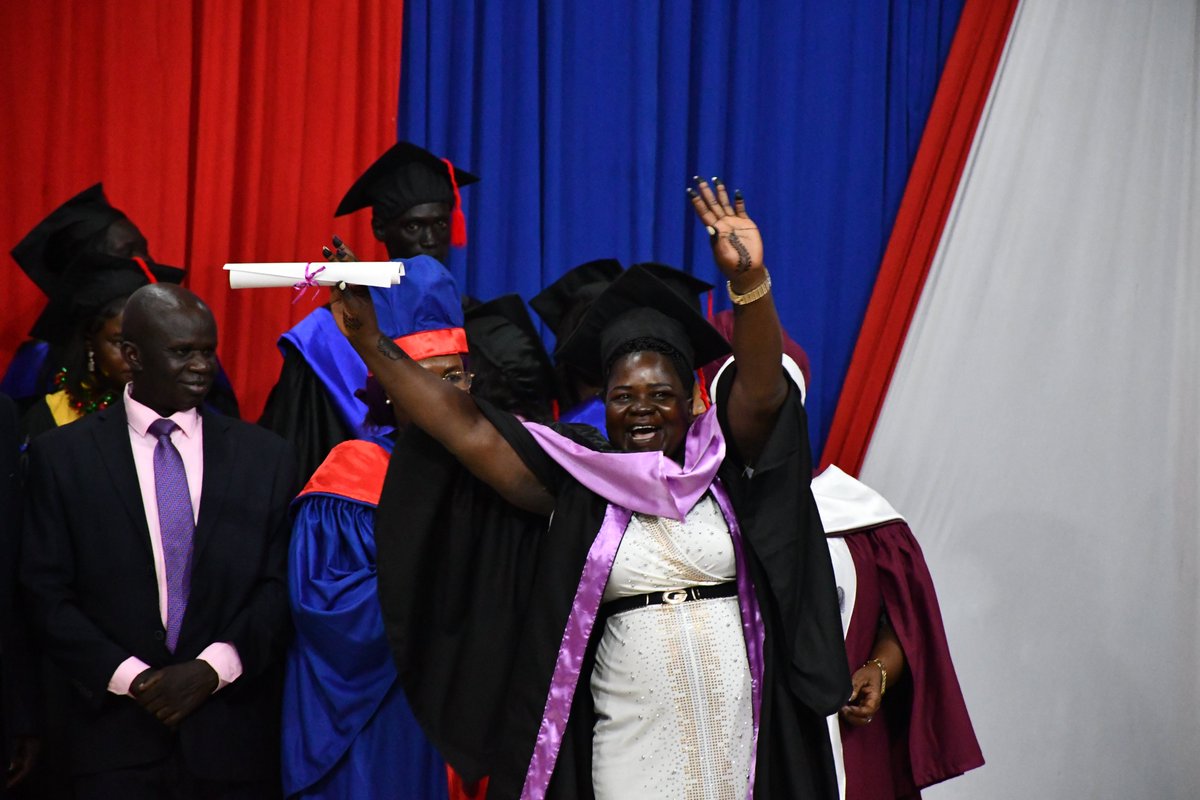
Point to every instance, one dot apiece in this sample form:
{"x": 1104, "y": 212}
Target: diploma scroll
{"x": 300, "y": 274}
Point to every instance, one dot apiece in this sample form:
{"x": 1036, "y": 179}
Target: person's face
{"x": 423, "y": 230}
{"x": 173, "y": 368}
{"x": 111, "y": 366}
{"x": 645, "y": 404}
{"x": 124, "y": 240}
{"x": 448, "y": 368}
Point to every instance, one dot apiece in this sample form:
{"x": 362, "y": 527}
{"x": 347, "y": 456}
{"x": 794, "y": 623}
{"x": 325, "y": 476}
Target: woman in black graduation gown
{"x": 82, "y": 323}
{"x": 510, "y": 569}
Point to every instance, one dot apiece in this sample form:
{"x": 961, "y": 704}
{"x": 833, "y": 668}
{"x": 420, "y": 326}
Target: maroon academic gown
{"x": 922, "y": 734}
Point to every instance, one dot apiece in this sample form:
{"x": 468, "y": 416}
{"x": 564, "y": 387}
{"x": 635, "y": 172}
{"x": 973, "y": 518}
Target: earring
{"x": 91, "y": 361}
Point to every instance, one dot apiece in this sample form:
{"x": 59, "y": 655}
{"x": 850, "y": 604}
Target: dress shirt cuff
{"x": 123, "y": 678}
{"x": 225, "y": 661}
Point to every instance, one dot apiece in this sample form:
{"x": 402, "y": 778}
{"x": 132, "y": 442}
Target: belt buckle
{"x": 674, "y": 597}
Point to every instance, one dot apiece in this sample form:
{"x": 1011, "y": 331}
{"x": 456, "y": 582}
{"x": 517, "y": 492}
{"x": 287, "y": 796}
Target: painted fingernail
{"x": 326, "y": 252}
{"x": 337, "y": 241}
{"x": 697, "y": 179}
{"x": 711, "y": 230}
{"x": 341, "y": 286}
{"x": 691, "y": 192}
{"x": 716, "y": 181}
{"x": 737, "y": 194}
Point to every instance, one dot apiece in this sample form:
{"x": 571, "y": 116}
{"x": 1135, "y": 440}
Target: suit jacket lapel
{"x": 218, "y": 463}
{"x": 112, "y": 441}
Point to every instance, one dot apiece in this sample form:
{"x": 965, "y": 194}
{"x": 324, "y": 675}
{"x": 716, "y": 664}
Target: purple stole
{"x": 646, "y": 483}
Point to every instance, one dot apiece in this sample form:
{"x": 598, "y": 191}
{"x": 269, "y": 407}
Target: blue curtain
{"x": 586, "y": 120}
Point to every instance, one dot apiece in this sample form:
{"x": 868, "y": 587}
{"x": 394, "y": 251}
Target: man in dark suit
{"x": 154, "y": 562}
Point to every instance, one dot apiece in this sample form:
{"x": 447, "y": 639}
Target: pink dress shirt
{"x": 189, "y": 441}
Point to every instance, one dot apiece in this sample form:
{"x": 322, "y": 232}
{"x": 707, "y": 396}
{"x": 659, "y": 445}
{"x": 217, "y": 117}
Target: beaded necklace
{"x": 85, "y": 406}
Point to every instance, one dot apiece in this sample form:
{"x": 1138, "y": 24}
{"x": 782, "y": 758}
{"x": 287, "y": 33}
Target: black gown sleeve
{"x": 807, "y": 676}
{"x": 18, "y": 682}
{"x": 453, "y": 559}
{"x": 475, "y": 595}
{"x": 299, "y": 410}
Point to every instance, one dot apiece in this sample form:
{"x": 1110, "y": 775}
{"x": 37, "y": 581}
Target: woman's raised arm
{"x": 439, "y": 409}
{"x": 760, "y": 388}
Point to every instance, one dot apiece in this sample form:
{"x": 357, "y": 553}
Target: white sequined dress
{"x": 671, "y": 683}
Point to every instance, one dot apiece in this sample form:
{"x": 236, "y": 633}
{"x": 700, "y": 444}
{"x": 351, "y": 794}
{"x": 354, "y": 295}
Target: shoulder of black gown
{"x": 37, "y": 420}
{"x": 299, "y": 410}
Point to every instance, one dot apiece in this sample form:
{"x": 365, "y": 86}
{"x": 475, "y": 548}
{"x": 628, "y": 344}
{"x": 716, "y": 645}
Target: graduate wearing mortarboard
{"x": 563, "y": 304}
{"x": 347, "y": 728}
{"x": 86, "y": 223}
{"x": 512, "y": 370}
{"x": 651, "y": 617}
{"x": 82, "y": 325}
{"x": 58, "y": 254}
{"x": 416, "y": 210}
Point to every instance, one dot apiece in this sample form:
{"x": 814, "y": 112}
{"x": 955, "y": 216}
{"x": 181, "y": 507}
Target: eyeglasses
{"x": 459, "y": 379}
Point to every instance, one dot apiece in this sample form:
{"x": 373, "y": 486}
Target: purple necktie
{"x": 175, "y": 524}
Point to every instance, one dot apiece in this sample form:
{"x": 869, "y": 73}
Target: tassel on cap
{"x": 145, "y": 269}
{"x": 458, "y": 220}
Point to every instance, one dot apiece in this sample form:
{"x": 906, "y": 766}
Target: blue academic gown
{"x": 347, "y": 728}
{"x": 589, "y": 412}
{"x": 20, "y": 380}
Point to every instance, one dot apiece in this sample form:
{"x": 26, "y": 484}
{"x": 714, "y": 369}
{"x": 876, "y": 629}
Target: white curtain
{"x": 1043, "y": 427}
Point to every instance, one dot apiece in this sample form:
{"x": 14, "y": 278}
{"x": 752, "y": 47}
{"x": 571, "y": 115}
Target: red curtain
{"x": 945, "y": 145}
{"x": 226, "y": 129}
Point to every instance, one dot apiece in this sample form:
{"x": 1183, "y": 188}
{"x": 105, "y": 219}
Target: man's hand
{"x": 174, "y": 692}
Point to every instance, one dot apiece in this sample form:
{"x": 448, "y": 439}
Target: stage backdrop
{"x": 227, "y": 130}
{"x": 1042, "y": 429}
{"x": 585, "y": 121}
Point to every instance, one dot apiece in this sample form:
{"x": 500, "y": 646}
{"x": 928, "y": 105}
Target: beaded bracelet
{"x": 882, "y": 672}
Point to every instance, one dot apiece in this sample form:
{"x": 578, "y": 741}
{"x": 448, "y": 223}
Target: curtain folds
{"x": 226, "y": 130}
{"x": 585, "y": 122}
{"x": 961, "y": 96}
{"x": 1042, "y": 429}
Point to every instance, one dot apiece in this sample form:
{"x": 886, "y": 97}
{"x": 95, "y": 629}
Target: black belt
{"x": 671, "y": 597}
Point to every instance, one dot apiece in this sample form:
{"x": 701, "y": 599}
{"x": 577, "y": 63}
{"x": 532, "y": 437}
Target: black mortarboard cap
{"x": 92, "y": 281}
{"x": 404, "y": 176}
{"x": 47, "y": 250}
{"x": 687, "y": 285}
{"x": 502, "y": 332}
{"x": 583, "y": 283}
{"x": 637, "y": 305}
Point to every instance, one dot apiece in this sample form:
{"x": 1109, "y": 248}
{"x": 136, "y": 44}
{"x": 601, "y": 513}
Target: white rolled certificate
{"x": 314, "y": 273}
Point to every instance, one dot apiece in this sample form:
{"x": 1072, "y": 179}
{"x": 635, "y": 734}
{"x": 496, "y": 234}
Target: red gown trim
{"x": 427, "y": 344}
{"x": 354, "y": 470}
